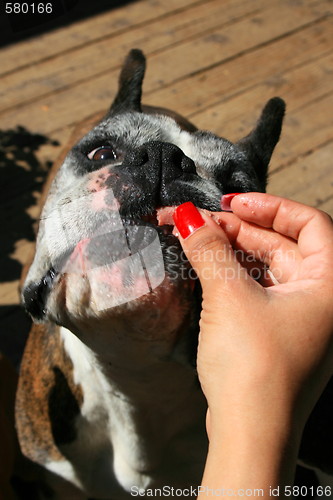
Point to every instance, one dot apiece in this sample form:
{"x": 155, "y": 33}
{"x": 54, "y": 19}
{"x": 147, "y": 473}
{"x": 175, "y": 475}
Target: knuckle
{"x": 205, "y": 247}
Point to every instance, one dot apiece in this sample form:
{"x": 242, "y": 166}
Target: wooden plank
{"x": 84, "y": 63}
{"x": 309, "y": 180}
{"x": 198, "y": 92}
{"x": 305, "y": 130}
{"x": 87, "y": 31}
{"x": 297, "y": 86}
{"x": 9, "y": 293}
{"x": 277, "y": 21}
{"x": 308, "y": 122}
{"x": 65, "y": 107}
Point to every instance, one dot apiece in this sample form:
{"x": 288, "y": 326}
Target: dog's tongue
{"x": 164, "y": 216}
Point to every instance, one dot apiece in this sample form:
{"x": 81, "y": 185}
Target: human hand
{"x": 264, "y": 350}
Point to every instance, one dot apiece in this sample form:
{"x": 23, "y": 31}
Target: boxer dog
{"x": 108, "y": 398}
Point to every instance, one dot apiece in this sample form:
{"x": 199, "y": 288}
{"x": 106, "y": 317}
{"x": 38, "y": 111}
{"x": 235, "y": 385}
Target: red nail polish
{"x": 187, "y": 219}
{"x": 226, "y": 200}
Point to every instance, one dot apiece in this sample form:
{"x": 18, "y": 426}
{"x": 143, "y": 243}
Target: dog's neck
{"x": 152, "y": 352}
{"x": 137, "y": 335}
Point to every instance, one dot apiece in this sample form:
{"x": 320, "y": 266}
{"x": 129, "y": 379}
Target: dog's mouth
{"x": 120, "y": 264}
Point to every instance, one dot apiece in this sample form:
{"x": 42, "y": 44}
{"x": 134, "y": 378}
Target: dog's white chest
{"x": 106, "y": 451}
{"x": 130, "y": 432}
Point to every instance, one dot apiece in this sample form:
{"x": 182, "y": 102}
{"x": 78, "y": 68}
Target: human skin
{"x": 265, "y": 350}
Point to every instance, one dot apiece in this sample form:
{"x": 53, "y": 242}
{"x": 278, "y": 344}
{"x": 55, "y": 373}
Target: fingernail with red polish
{"x": 187, "y": 219}
{"x": 226, "y": 200}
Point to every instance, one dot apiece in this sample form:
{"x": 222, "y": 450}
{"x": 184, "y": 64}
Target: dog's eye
{"x": 102, "y": 153}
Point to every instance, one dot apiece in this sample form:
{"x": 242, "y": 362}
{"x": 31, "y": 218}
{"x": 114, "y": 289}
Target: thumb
{"x": 208, "y": 249}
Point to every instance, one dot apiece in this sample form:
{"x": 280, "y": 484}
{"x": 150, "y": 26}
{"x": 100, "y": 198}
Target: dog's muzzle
{"x": 122, "y": 253}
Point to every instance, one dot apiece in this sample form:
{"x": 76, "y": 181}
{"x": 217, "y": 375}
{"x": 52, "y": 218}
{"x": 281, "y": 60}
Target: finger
{"x": 208, "y": 249}
{"x": 312, "y": 228}
{"x": 254, "y": 243}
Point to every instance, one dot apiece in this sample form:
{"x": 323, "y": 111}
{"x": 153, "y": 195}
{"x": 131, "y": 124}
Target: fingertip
{"x": 226, "y": 201}
{"x": 251, "y": 205}
{"x": 187, "y": 219}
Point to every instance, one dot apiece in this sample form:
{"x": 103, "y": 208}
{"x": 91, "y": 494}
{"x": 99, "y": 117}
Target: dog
{"x": 108, "y": 398}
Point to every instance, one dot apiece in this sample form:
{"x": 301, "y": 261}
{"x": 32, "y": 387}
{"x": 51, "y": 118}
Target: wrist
{"x": 251, "y": 456}
{"x": 250, "y": 462}
{"x": 255, "y": 415}
{"x": 253, "y": 444}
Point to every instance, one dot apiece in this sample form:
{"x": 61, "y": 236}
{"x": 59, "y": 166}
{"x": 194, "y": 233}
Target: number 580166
{"x": 28, "y": 8}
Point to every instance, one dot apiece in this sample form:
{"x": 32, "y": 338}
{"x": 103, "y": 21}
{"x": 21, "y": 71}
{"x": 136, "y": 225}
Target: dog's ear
{"x": 260, "y": 143}
{"x": 128, "y": 97}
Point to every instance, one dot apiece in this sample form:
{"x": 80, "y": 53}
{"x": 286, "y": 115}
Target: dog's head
{"x": 105, "y": 245}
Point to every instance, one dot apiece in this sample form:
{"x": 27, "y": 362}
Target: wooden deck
{"x": 215, "y": 61}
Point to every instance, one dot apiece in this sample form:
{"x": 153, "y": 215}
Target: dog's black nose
{"x": 152, "y": 175}
{"x": 162, "y": 157}
{"x": 173, "y": 161}
{"x": 163, "y": 163}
